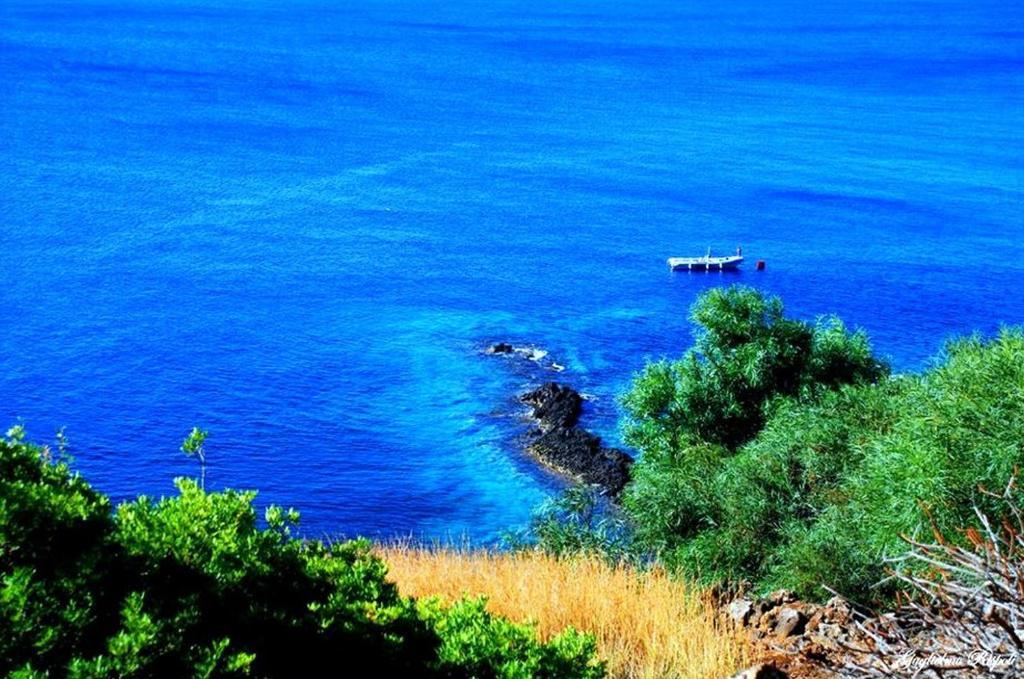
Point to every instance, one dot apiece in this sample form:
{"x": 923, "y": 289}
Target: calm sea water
{"x": 296, "y": 224}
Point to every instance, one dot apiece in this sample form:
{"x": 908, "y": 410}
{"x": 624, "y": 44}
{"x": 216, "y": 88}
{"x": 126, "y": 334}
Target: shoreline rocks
{"x": 793, "y": 630}
{"x": 558, "y": 442}
{"x": 762, "y": 671}
{"x": 529, "y": 353}
{"x": 555, "y": 406}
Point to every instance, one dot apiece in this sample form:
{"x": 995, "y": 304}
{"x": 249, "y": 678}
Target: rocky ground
{"x": 798, "y": 639}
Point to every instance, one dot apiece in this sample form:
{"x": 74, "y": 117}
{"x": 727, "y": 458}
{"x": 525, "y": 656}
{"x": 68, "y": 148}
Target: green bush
{"x": 482, "y": 645}
{"x": 192, "y": 585}
{"x": 579, "y": 521}
{"x": 746, "y": 354}
{"x": 830, "y": 473}
{"x": 738, "y": 512}
{"x": 958, "y": 427}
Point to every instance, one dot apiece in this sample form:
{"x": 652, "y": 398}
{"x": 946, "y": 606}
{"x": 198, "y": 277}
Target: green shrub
{"x": 746, "y": 354}
{"x": 811, "y": 486}
{"x": 192, "y": 585}
{"x": 738, "y": 512}
{"x": 55, "y": 546}
{"x": 960, "y": 426}
{"x": 485, "y": 646}
{"x": 579, "y": 521}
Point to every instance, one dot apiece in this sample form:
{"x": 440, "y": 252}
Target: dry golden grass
{"x": 646, "y": 624}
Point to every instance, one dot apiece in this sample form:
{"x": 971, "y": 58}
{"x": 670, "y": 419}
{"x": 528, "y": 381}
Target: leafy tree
{"x": 194, "y": 445}
{"x": 834, "y": 462}
{"x": 745, "y": 355}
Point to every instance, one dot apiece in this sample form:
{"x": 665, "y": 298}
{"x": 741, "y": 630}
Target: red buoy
{"x": 760, "y": 265}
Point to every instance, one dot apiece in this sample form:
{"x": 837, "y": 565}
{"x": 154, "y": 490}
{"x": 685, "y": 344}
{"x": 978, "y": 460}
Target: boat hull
{"x": 704, "y": 263}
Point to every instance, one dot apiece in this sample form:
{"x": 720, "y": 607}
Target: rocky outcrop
{"x": 795, "y": 631}
{"x": 762, "y": 671}
{"x": 500, "y": 348}
{"x": 558, "y": 442}
{"x": 781, "y": 616}
{"x": 555, "y": 406}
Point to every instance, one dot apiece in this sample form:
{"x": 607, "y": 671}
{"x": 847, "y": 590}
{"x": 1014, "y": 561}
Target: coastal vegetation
{"x": 193, "y": 585}
{"x": 746, "y": 358}
{"x": 782, "y": 453}
{"x": 646, "y": 623}
{"x": 775, "y": 454}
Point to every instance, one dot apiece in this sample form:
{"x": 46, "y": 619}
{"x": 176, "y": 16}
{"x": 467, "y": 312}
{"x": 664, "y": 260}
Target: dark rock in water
{"x": 560, "y": 444}
{"x": 527, "y": 353}
{"x": 580, "y": 453}
{"x": 555, "y": 406}
{"x": 500, "y": 348}
{"x": 557, "y": 441}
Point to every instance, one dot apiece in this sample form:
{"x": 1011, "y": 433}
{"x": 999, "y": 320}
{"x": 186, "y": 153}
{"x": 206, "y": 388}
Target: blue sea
{"x": 296, "y": 224}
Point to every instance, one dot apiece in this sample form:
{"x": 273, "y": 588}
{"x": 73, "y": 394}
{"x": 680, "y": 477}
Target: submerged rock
{"x": 531, "y": 353}
{"x": 559, "y": 443}
{"x": 555, "y": 406}
{"x": 500, "y": 348}
{"x": 526, "y": 352}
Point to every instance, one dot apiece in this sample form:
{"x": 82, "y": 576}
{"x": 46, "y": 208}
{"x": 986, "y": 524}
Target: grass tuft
{"x": 646, "y": 624}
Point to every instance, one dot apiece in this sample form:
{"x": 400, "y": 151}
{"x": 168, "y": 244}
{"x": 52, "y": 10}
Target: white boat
{"x": 707, "y": 262}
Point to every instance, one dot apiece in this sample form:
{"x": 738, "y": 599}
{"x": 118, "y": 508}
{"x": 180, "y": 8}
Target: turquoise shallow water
{"x": 296, "y": 224}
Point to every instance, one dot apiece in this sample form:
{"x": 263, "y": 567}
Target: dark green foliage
{"x": 580, "y": 521}
{"x": 55, "y": 543}
{"x": 738, "y": 512}
{"x": 837, "y": 467}
{"x": 478, "y": 644}
{"x": 746, "y": 354}
{"x": 193, "y": 586}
